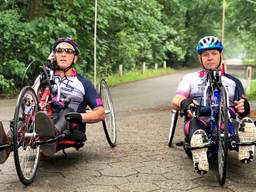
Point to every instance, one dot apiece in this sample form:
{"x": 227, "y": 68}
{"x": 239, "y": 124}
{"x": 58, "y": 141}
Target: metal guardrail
{"x": 245, "y": 70}
{"x": 239, "y": 66}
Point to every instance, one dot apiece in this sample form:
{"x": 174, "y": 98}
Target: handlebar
{"x": 213, "y": 77}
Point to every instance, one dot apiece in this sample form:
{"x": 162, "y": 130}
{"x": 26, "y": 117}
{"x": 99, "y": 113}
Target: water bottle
{"x": 44, "y": 101}
{"x": 217, "y": 95}
{"x": 27, "y": 109}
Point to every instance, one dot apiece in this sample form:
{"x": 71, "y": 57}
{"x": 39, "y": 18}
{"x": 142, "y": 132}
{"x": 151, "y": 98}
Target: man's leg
{"x": 45, "y": 129}
{"x": 246, "y": 133}
{"x": 197, "y": 137}
{"x": 63, "y": 126}
{"x": 4, "y": 154}
{"x": 78, "y": 133}
{"x": 60, "y": 122}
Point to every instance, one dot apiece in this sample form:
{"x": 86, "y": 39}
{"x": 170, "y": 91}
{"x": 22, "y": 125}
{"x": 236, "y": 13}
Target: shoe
{"x": 4, "y": 153}
{"x": 199, "y": 156}
{"x": 246, "y": 133}
{"x": 45, "y": 130}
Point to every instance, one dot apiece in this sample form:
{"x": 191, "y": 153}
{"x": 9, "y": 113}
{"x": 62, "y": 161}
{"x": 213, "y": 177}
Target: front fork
{"x": 231, "y": 132}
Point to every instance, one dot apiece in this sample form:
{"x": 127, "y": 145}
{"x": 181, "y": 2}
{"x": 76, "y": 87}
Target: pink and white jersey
{"x": 193, "y": 85}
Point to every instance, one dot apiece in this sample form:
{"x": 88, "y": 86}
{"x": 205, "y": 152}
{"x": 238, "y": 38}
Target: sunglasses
{"x": 66, "y": 50}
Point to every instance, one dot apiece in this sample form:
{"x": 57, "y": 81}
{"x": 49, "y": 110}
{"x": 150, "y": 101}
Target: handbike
{"x": 26, "y": 141}
{"x": 222, "y": 134}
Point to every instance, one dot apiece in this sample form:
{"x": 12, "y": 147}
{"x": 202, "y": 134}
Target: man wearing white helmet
{"x": 190, "y": 93}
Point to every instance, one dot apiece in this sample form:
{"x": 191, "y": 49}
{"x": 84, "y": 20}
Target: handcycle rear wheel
{"x": 109, "y": 124}
{"x": 174, "y": 118}
{"x": 222, "y": 137}
{"x": 26, "y": 153}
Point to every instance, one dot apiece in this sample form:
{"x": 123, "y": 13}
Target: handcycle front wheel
{"x": 222, "y": 137}
{"x": 109, "y": 124}
{"x": 26, "y": 153}
{"x": 174, "y": 119}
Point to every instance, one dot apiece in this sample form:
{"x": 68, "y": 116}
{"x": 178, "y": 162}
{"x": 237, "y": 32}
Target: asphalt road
{"x": 141, "y": 161}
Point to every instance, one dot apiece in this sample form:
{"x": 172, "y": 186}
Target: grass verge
{"x": 130, "y": 76}
{"x": 252, "y": 93}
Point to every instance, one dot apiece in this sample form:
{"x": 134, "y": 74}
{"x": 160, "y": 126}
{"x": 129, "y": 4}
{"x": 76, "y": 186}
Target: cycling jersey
{"x": 78, "y": 89}
{"x": 193, "y": 85}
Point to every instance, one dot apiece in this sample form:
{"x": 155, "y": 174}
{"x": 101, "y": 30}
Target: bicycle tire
{"x": 26, "y": 155}
{"x": 222, "y": 136}
{"x": 174, "y": 119}
{"x": 109, "y": 124}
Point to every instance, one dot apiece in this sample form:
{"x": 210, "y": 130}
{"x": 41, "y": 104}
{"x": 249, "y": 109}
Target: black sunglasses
{"x": 66, "y": 50}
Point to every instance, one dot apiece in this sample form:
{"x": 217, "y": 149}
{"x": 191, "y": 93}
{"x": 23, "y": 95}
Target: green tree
{"x": 241, "y": 29}
{"x": 129, "y": 32}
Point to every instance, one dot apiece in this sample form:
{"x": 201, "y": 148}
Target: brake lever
{"x": 194, "y": 109}
{"x": 67, "y": 101}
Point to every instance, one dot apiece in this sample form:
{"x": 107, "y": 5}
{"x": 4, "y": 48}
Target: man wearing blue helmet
{"x": 190, "y": 93}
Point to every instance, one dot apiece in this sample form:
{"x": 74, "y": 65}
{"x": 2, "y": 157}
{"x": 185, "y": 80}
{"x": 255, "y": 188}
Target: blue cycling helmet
{"x": 209, "y": 42}
{"x": 66, "y": 40}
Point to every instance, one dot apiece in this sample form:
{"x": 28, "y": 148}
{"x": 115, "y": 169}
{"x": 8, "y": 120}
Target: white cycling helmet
{"x": 209, "y": 42}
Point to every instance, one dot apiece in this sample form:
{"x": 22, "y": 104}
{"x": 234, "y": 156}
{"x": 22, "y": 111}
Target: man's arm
{"x": 94, "y": 116}
{"x": 242, "y": 107}
{"x": 183, "y": 104}
{"x": 176, "y": 101}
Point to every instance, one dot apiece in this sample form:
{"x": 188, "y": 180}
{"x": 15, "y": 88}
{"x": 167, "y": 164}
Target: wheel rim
{"x": 222, "y": 138}
{"x": 26, "y": 154}
{"x": 174, "y": 118}
{"x": 109, "y": 122}
{"x": 221, "y": 156}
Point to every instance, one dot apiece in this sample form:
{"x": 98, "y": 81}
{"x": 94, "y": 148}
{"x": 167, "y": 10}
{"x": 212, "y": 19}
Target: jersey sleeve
{"x": 91, "y": 96}
{"x": 184, "y": 87}
{"x": 239, "y": 89}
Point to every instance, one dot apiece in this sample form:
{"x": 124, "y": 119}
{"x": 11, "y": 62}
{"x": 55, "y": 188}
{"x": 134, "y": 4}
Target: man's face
{"x": 64, "y": 53}
{"x": 210, "y": 59}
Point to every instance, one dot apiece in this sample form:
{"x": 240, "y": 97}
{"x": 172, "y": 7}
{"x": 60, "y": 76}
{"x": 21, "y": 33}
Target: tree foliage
{"x": 129, "y": 32}
{"x": 241, "y": 28}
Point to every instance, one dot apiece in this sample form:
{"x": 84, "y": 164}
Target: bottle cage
{"x": 213, "y": 82}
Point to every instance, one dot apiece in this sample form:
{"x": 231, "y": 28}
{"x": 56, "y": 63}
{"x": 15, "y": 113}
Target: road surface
{"x": 141, "y": 161}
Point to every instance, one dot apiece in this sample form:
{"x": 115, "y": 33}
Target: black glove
{"x": 73, "y": 117}
{"x": 184, "y": 105}
{"x": 246, "y": 108}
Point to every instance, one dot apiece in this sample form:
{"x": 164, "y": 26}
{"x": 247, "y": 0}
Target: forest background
{"x": 129, "y": 32}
